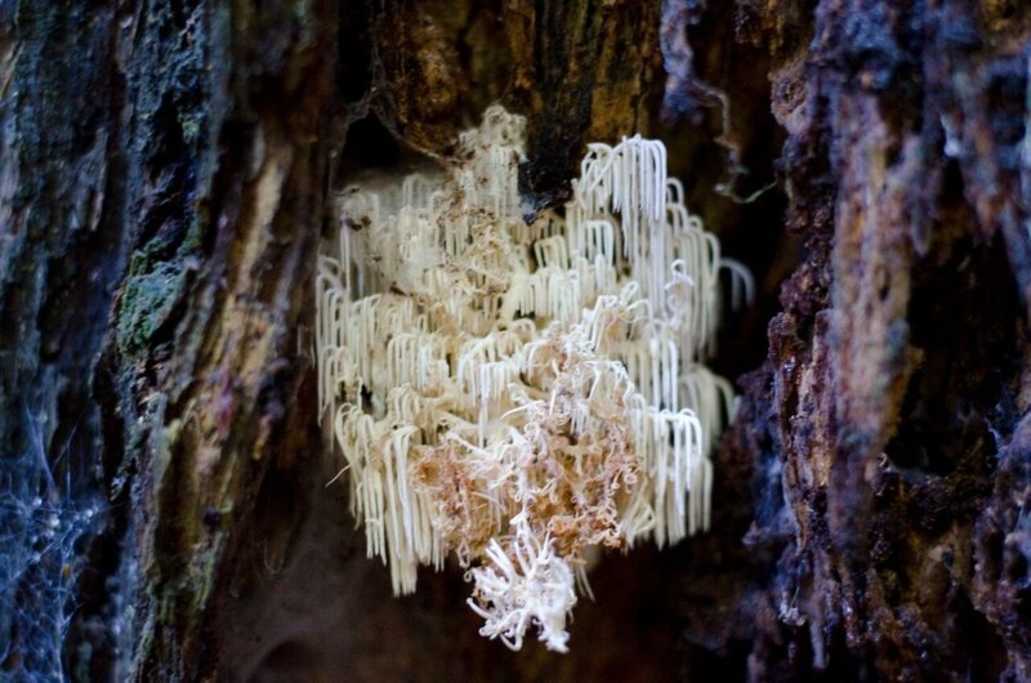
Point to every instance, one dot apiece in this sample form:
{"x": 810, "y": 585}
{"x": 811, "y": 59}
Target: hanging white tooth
{"x": 471, "y": 366}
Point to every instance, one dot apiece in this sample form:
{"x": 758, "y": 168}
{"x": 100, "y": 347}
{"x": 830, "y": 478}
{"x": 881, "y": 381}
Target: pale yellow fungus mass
{"x": 516, "y": 395}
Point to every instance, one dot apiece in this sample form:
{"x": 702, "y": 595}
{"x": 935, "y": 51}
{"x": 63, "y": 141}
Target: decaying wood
{"x": 166, "y": 173}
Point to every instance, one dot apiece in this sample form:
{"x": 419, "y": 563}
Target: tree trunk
{"x": 167, "y": 171}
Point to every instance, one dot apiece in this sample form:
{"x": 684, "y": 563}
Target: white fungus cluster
{"x": 518, "y": 394}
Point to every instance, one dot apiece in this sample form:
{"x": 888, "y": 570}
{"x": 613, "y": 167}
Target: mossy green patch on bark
{"x": 148, "y": 300}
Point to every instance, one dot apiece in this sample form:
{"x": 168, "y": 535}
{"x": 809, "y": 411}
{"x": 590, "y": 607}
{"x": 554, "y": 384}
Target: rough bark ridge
{"x": 166, "y": 170}
{"x": 895, "y": 398}
{"x": 163, "y": 189}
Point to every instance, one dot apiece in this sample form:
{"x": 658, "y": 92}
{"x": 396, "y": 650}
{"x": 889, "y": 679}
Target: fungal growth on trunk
{"x": 518, "y": 395}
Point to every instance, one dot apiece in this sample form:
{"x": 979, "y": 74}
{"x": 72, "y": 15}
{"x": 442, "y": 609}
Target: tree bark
{"x": 167, "y": 171}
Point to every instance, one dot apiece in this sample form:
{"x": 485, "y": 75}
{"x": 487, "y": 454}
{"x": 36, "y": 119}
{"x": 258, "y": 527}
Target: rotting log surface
{"x": 167, "y": 170}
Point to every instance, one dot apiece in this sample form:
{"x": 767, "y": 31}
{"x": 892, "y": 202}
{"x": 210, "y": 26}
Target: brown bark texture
{"x": 168, "y": 169}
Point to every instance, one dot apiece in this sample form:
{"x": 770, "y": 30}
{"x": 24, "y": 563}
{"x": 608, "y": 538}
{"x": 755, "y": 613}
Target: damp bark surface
{"x": 167, "y": 171}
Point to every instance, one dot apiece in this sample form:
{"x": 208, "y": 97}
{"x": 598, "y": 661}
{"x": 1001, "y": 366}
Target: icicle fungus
{"x": 519, "y": 394}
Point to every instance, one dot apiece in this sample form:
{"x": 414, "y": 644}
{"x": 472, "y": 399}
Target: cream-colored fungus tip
{"x": 516, "y": 395}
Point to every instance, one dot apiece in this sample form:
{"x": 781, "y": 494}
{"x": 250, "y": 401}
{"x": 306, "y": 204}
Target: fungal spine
{"x": 516, "y": 395}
